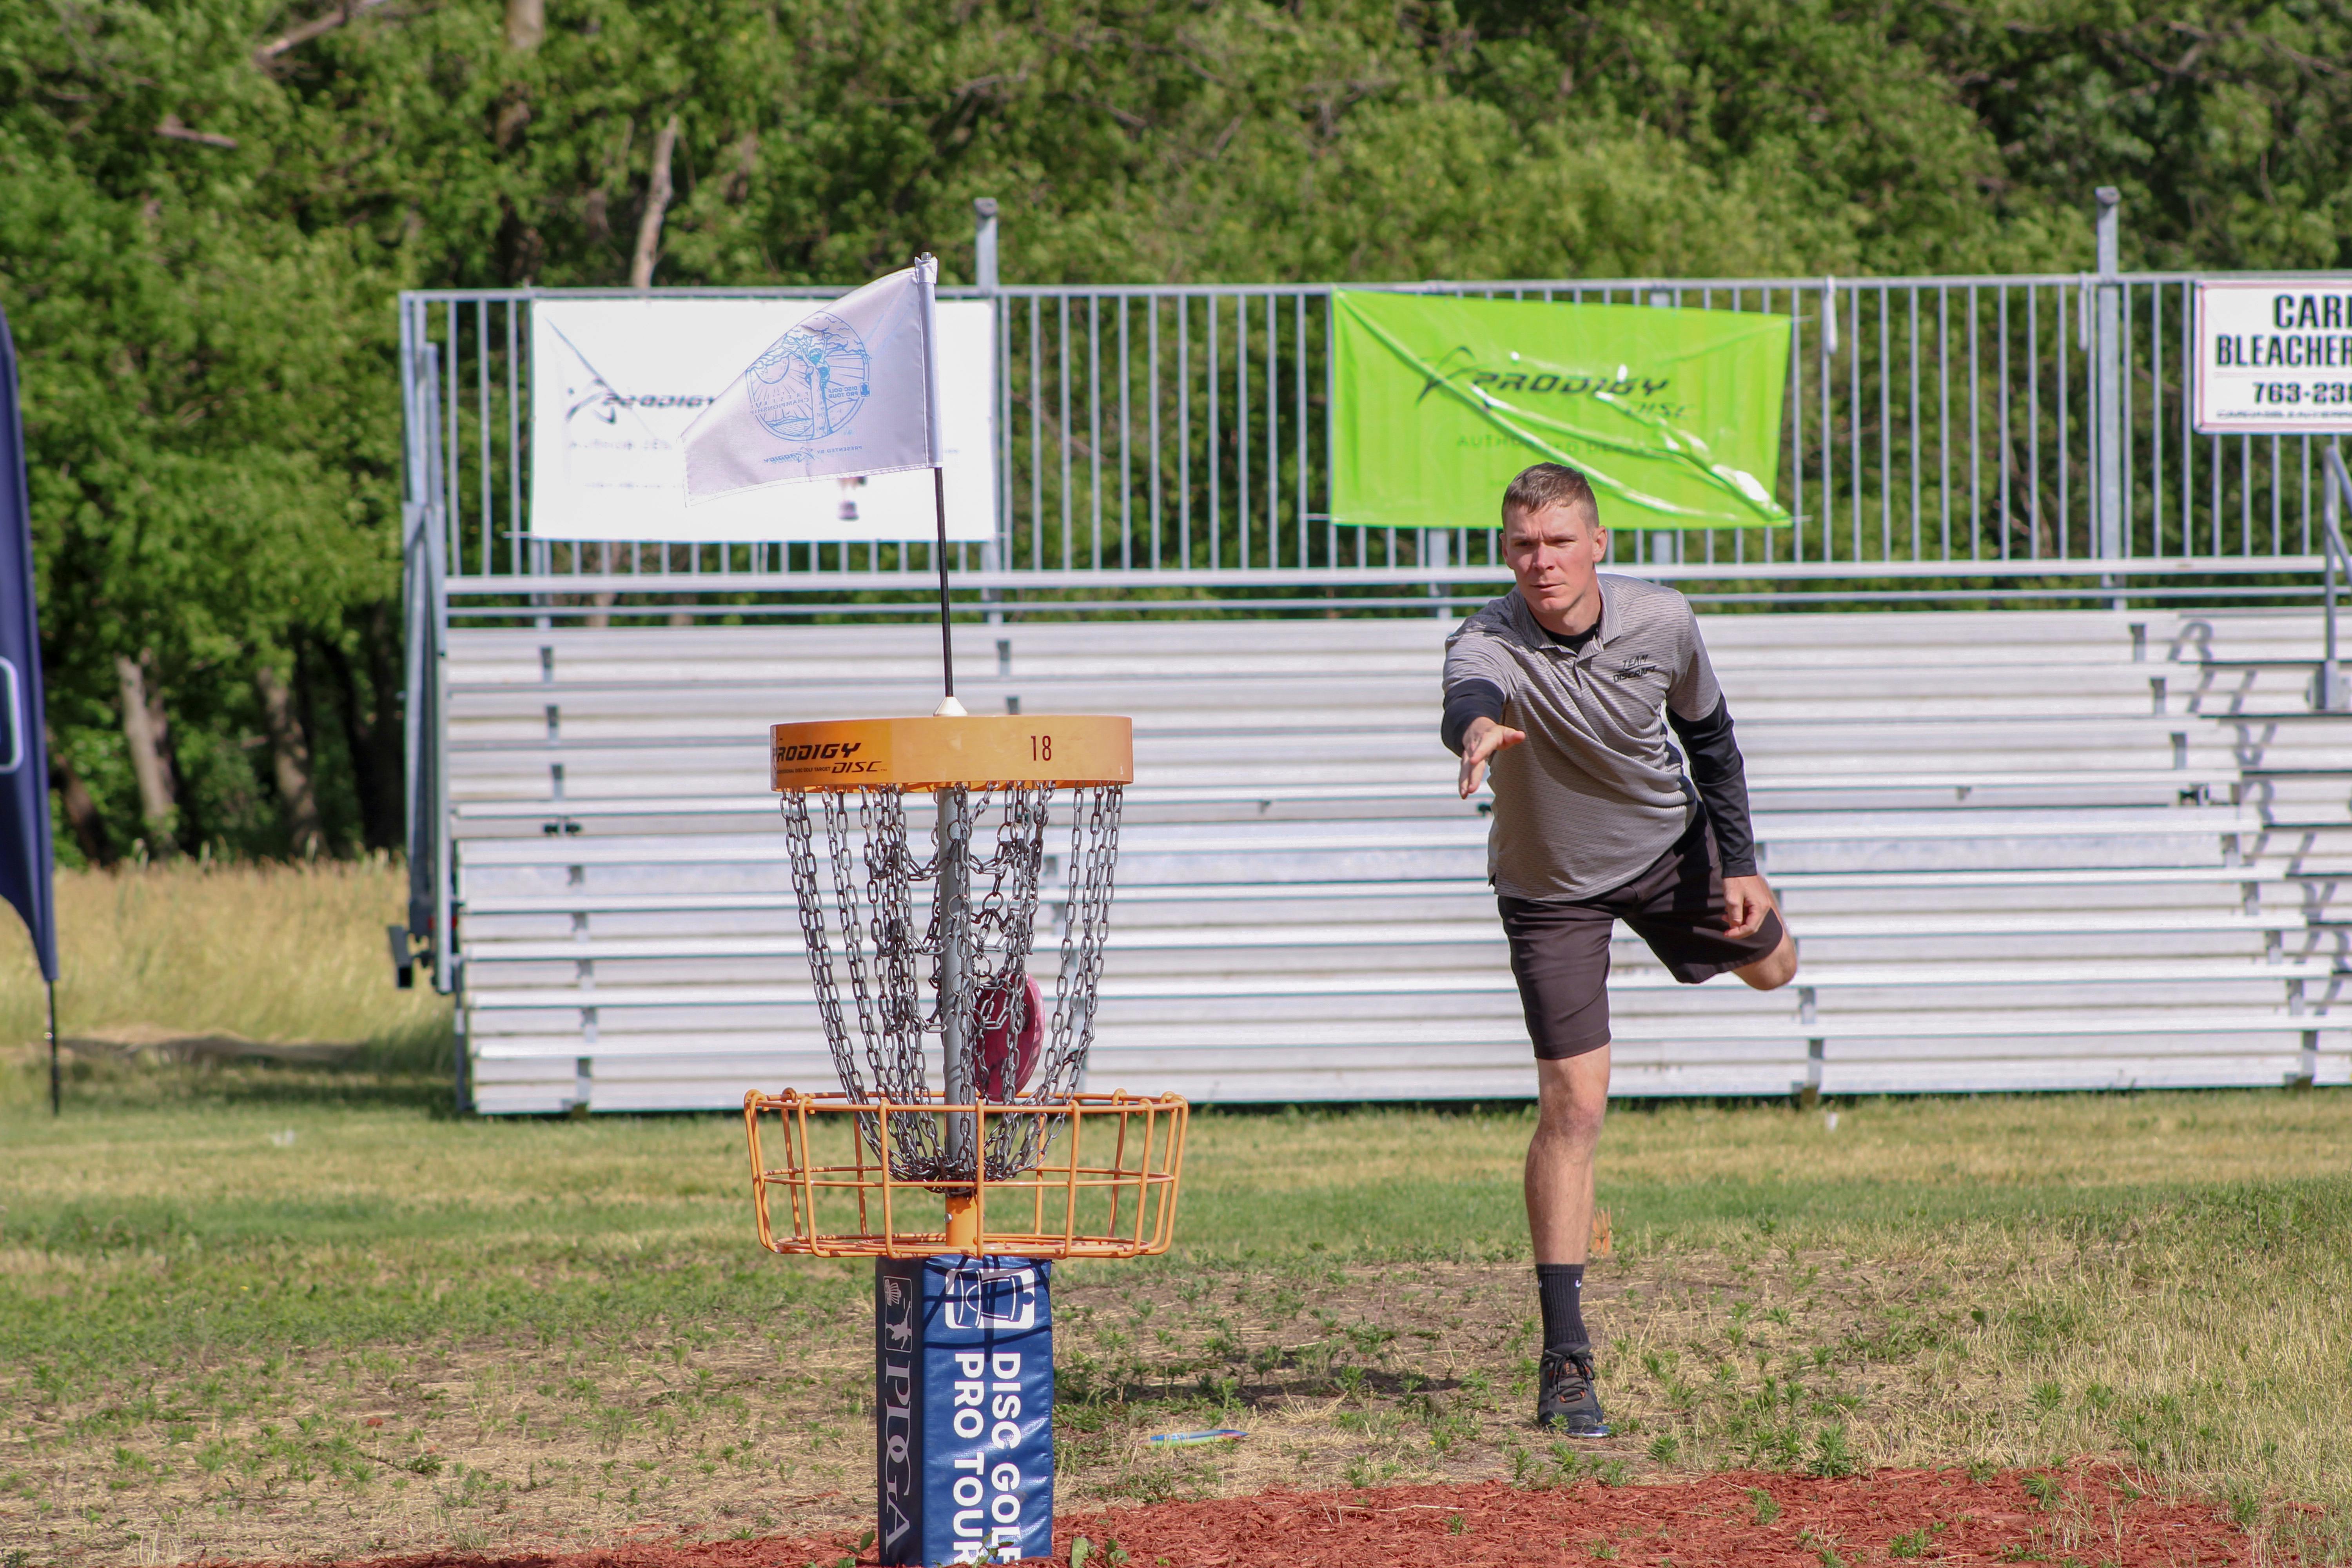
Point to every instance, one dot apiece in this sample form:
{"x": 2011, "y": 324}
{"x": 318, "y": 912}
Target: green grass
{"x": 1396, "y": 1182}
{"x": 214, "y": 1276}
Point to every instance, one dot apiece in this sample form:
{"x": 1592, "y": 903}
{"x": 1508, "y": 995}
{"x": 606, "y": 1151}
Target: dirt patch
{"x": 154, "y": 1042}
{"x": 1750, "y": 1519}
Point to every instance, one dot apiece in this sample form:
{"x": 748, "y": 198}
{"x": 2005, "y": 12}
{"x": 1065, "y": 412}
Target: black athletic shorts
{"x": 1560, "y": 951}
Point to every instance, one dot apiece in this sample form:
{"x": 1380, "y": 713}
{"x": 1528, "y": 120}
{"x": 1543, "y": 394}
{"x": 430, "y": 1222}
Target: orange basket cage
{"x": 1106, "y": 1187}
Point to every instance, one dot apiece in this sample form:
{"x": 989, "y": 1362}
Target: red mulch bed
{"x": 2102, "y": 1519}
{"x": 1709, "y": 1523}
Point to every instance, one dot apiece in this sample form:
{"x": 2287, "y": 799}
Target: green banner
{"x": 1675, "y": 416}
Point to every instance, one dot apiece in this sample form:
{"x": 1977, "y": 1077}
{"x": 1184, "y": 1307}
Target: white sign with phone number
{"x": 2274, "y": 358}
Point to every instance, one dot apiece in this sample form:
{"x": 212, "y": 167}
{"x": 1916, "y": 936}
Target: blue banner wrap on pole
{"x": 27, "y": 859}
{"x": 964, "y": 1367}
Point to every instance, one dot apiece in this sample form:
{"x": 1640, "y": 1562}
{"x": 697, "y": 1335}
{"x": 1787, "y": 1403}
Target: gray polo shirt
{"x": 1596, "y": 793}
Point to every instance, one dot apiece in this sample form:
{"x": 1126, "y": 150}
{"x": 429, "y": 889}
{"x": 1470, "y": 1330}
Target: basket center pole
{"x": 955, "y": 973}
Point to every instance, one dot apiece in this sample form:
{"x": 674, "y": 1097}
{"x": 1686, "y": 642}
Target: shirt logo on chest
{"x": 1637, "y": 667}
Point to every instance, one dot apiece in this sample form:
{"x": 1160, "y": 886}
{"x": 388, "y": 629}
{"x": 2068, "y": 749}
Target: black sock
{"x": 1561, "y": 1288}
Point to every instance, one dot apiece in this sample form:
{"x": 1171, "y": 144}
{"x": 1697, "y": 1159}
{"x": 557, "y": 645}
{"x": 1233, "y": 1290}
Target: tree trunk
{"x": 671, "y": 562}
{"x": 148, "y": 731}
{"x": 526, "y": 24}
{"x": 289, "y": 755}
{"x": 657, "y": 193}
{"x": 372, "y": 725}
{"x": 81, "y": 811}
{"x": 388, "y": 680}
{"x": 597, "y": 620}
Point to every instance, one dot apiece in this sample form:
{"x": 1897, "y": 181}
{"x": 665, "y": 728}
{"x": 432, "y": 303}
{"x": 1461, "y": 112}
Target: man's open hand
{"x": 1746, "y": 901}
{"x": 1480, "y": 743}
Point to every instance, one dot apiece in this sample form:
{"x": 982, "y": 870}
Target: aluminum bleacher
{"x": 2020, "y": 850}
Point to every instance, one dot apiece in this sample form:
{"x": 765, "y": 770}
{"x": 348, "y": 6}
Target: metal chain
{"x": 894, "y": 1043}
{"x": 800, "y": 839}
{"x": 892, "y": 965}
{"x": 1094, "y": 859}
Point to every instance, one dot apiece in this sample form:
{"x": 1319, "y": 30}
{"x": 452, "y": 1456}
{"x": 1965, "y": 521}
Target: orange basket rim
{"x": 785, "y": 1196}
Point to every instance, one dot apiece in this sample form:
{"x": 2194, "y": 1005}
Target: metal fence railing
{"x": 2329, "y": 694}
{"x": 1976, "y": 440}
{"x": 1941, "y": 437}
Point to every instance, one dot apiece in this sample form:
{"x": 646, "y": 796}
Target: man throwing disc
{"x": 1566, "y": 688}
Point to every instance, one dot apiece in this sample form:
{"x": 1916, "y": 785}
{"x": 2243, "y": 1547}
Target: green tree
{"x": 207, "y": 207}
{"x": 2228, "y": 128}
{"x": 207, "y": 445}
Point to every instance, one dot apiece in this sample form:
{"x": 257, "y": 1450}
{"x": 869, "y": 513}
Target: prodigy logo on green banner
{"x": 1675, "y": 416}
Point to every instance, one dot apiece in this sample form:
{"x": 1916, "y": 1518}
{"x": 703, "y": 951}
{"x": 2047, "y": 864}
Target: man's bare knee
{"x": 1572, "y": 1098}
{"x": 1576, "y": 1123}
{"x": 1775, "y": 969}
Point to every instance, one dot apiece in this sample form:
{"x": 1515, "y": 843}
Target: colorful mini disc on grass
{"x": 1216, "y": 1434}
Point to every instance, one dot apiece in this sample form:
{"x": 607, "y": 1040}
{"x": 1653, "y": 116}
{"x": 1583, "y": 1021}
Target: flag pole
{"x": 927, "y": 279}
{"x": 56, "y": 1093}
{"x": 947, "y": 636}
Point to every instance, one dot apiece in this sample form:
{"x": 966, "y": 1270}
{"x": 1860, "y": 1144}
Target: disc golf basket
{"x": 922, "y": 851}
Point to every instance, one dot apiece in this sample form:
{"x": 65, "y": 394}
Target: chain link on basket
{"x": 1016, "y": 1143}
{"x": 893, "y": 966}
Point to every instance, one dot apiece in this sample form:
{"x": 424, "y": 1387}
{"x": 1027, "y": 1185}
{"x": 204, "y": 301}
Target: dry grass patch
{"x": 423, "y": 1446}
{"x": 275, "y": 954}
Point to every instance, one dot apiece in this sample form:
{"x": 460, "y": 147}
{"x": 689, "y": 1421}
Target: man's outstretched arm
{"x": 1473, "y": 730}
{"x": 1484, "y": 738}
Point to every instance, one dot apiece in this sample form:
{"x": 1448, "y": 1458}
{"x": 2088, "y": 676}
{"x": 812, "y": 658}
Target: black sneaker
{"x": 1566, "y": 1402}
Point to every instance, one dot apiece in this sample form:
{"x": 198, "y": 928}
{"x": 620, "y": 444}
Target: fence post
{"x": 983, "y": 247}
{"x": 1663, "y": 546}
{"x": 2331, "y": 694}
{"x": 983, "y": 275}
{"x": 2108, "y": 396}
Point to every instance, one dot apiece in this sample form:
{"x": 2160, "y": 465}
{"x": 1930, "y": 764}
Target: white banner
{"x": 614, "y": 384}
{"x": 2274, "y": 358}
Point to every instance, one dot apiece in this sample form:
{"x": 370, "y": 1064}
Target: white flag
{"x": 847, "y": 391}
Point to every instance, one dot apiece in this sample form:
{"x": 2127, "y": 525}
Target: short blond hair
{"x": 1547, "y": 485}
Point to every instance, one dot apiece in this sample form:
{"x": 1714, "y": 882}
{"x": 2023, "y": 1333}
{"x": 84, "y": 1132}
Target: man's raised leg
{"x": 1572, "y": 1098}
{"x": 1775, "y": 969}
